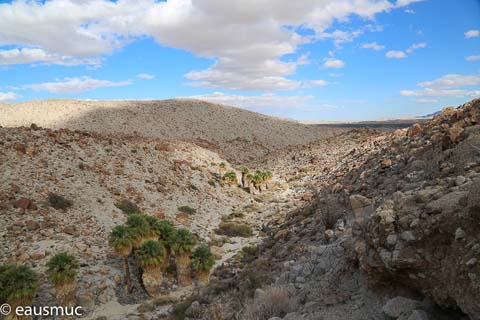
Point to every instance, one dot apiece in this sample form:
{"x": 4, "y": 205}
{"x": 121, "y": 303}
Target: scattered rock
{"x": 400, "y": 306}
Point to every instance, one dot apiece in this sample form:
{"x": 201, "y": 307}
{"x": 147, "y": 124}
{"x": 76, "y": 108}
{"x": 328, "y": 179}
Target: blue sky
{"x": 307, "y": 60}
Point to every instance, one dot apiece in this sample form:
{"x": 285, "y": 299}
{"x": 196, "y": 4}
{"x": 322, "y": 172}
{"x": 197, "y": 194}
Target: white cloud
{"x": 403, "y": 3}
{"x": 7, "y": 96}
{"x": 74, "y": 85}
{"x": 409, "y": 11}
{"x": 340, "y": 36}
{"x": 473, "y": 58}
{"x": 333, "y": 63}
{"x": 246, "y": 39}
{"x": 145, "y": 76}
{"x": 374, "y": 46}
{"x": 416, "y": 46}
{"x": 472, "y": 34}
{"x": 450, "y": 85}
{"x": 319, "y": 83}
{"x": 31, "y": 55}
{"x": 269, "y": 100}
{"x": 396, "y": 54}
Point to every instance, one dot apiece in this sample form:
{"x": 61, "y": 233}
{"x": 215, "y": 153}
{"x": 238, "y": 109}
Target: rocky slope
{"x": 239, "y": 135}
{"x": 391, "y": 232}
{"x": 96, "y": 173}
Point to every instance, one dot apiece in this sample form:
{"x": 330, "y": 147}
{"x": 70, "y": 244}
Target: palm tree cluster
{"x": 152, "y": 242}
{"x": 257, "y": 181}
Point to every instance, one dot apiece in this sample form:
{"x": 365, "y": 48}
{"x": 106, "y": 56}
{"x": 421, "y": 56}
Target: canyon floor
{"x": 355, "y": 224}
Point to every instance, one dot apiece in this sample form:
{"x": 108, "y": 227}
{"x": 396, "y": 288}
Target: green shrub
{"x": 127, "y": 207}
{"x": 233, "y": 229}
{"x": 192, "y": 187}
{"x": 187, "y": 210}
{"x": 58, "y": 202}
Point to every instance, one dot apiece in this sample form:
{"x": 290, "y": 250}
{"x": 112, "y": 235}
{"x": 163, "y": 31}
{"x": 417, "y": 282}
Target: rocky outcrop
{"x": 423, "y": 232}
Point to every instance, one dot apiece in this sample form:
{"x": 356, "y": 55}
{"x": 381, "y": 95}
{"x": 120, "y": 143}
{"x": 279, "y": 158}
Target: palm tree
{"x": 154, "y": 226}
{"x": 251, "y": 187}
{"x": 121, "y": 241}
{"x": 257, "y": 181}
{"x": 245, "y": 172}
{"x": 150, "y": 257}
{"x": 202, "y": 262}
{"x": 223, "y": 167}
{"x": 18, "y": 285}
{"x": 268, "y": 177}
{"x": 231, "y": 178}
{"x": 61, "y": 270}
{"x": 167, "y": 238}
{"x": 140, "y": 229}
{"x": 184, "y": 242}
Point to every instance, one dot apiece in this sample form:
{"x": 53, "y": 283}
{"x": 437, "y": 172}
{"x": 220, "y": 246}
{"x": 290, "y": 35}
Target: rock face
{"x": 424, "y": 231}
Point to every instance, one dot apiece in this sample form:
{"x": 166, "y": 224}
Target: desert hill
{"x": 359, "y": 224}
{"x": 239, "y": 135}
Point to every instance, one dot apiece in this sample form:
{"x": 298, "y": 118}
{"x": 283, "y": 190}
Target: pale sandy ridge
{"x": 238, "y": 134}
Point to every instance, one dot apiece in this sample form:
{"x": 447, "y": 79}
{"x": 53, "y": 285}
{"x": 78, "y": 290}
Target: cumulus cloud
{"x": 247, "y": 39}
{"x": 373, "y": 45}
{"x": 145, "y": 76}
{"x": 31, "y": 55}
{"x": 255, "y": 102}
{"x": 450, "y": 85}
{"x": 332, "y": 63}
{"x": 472, "y": 34}
{"x": 74, "y": 85}
{"x": 7, "y": 96}
{"x": 473, "y": 58}
{"x": 397, "y": 54}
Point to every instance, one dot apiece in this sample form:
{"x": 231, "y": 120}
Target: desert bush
{"x": 127, "y": 207}
{"x": 212, "y": 183}
{"x": 192, "y": 187}
{"x": 249, "y": 253}
{"x": 274, "y": 302}
{"x": 233, "y": 229}
{"x": 330, "y": 211}
{"x": 58, "y": 202}
{"x": 187, "y": 210}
